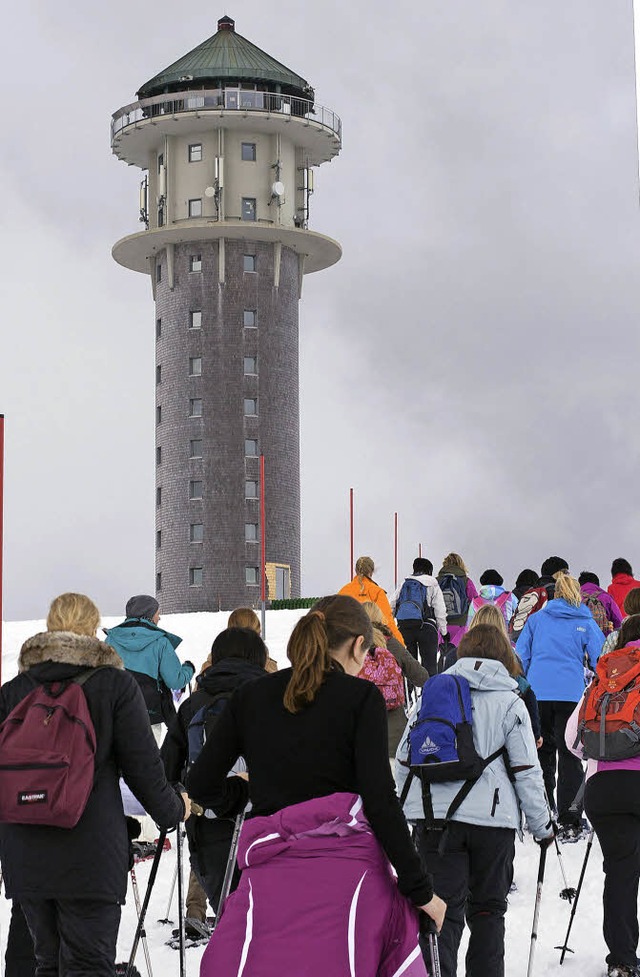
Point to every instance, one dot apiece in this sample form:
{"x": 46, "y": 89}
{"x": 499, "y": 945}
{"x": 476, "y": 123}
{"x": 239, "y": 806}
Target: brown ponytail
{"x": 331, "y": 622}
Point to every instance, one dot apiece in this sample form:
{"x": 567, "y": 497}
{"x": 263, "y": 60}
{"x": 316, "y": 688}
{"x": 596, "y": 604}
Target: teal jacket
{"x": 146, "y": 648}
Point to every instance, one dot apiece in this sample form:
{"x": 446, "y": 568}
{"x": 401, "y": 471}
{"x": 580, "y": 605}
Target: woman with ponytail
{"x": 316, "y": 890}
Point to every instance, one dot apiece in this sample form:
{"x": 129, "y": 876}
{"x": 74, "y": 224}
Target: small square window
{"x": 158, "y": 582}
{"x": 196, "y": 532}
{"x": 195, "y": 407}
{"x": 251, "y": 448}
{"x": 158, "y": 272}
{"x": 158, "y": 414}
{"x": 158, "y": 495}
{"x": 195, "y": 207}
{"x": 251, "y": 489}
{"x": 195, "y": 366}
{"x": 252, "y": 575}
{"x": 248, "y": 208}
{"x": 195, "y": 152}
{"x": 195, "y": 577}
{"x": 158, "y": 328}
{"x": 158, "y": 374}
{"x": 158, "y": 455}
{"x": 250, "y": 318}
{"x": 195, "y": 449}
{"x": 195, "y": 490}
{"x": 159, "y": 539}
{"x": 249, "y": 262}
{"x": 195, "y": 262}
{"x": 248, "y": 152}
{"x": 251, "y": 532}
{"x": 250, "y": 365}
{"x": 195, "y": 320}
{"x": 250, "y": 406}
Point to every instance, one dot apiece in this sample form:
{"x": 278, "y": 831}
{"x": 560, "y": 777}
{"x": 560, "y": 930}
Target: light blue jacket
{"x": 553, "y": 647}
{"x": 146, "y": 648}
{"x": 500, "y": 718}
{"x": 491, "y": 592}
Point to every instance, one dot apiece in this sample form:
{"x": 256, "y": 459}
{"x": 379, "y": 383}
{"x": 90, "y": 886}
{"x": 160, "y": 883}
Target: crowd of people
{"x": 300, "y": 757}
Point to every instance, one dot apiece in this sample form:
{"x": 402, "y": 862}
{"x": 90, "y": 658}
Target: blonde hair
{"x": 489, "y": 614}
{"x": 379, "y": 622}
{"x": 244, "y": 617}
{"x": 568, "y": 588}
{"x": 328, "y": 625}
{"x": 364, "y": 566}
{"x": 75, "y": 613}
{"x": 454, "y": 560}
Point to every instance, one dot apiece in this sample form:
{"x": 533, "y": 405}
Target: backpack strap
{"x": 462, "y": 795}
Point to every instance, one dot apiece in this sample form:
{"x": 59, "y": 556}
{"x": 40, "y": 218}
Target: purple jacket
{"x": 607, "y": 601}
{"x": 317, "y": 896}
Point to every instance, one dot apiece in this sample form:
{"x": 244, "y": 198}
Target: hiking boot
{"x": 569, "y": 834}
{"x": 620, "y": 970}
{"x": 195, "y": 929}
{"x": 142, "y": 850}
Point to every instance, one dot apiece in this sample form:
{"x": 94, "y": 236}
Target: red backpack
{"x": 47, "y": 756}
{"x": 381, "y": 668}
{"x": 609, "y": 717}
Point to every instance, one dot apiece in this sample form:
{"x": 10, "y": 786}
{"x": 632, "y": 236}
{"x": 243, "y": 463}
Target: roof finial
{"x": 226, "y": 24}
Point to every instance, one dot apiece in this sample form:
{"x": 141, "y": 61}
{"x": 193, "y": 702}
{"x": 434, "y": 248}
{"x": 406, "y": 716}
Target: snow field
{"x": 198, "y": 631}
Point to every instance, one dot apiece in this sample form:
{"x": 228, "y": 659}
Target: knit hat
{"x": 142, "y": 606}
{"x": 491, "y": 578}
{"x": 365, "y": 566}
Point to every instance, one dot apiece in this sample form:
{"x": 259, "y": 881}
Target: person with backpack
{"x": 555, "y": 645}
{"x": 148, "y": 652}
{"x": 631, "y": 607}
{"x": 601, "y": 604}
{"x": 466, "y": 823}
{"x": 325, "y": 819}
{"x": 458, "y": 590}
{"x": 238, "y": 655}
{"x": 64, "y": 845}
{"x": 535, "y": 598}
{"x": 612, "y": 792}
{"x": 363, "y": 587}
{"x": 492, "y": 592}
{"x": 622, "y": 581}
{"x": 525, "y": 581}
{"x": 419, "y": 609}
{"x": 245, "y": 617}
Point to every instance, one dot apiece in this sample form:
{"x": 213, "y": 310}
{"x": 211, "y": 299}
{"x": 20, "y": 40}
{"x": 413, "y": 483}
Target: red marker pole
{"x": 351, "y": 529}
{"x": 420, "y": 550}
{"x": 395, "y": 550}
{"x": 1, "y": 529}
{"x": 263, "y": 550}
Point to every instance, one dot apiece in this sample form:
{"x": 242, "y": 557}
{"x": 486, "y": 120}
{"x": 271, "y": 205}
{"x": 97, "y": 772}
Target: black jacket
{"x": 91, "y": 860}
{"x": 218, "y": 681}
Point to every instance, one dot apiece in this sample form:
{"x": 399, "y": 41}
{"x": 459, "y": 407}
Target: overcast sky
{"x": 472, "y": 362}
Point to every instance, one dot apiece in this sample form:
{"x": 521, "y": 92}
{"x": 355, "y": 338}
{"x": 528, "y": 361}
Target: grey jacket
{"x": 500, "y": 718}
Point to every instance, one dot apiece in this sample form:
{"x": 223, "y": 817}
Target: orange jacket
{"x": 364, "y": 589}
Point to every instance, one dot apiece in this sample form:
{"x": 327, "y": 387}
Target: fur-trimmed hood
{"x": 67, "y": 648}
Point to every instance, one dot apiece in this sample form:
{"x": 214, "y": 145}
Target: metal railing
{"x": 224, "y": 100}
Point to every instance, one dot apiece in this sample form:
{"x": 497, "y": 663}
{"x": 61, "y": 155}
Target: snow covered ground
{"x": 198, "y": 631}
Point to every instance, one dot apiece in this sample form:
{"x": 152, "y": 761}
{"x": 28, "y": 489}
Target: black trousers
{"x": 553, "y": 720}
{"x": 612, "y": 803}
{"x": 421, "y": 640}
{"x": 209, "y": 845}
{"x": 473, "y": 877}
{"x": 20, "y": 960}
{"x": 73, "y": 937}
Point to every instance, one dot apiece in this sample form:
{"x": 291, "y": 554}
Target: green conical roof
{"x": 226, "y": 56}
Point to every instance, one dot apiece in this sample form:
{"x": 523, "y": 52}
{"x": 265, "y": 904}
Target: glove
{"x": 549, "y": 839}
{"x": 191, "y": 665}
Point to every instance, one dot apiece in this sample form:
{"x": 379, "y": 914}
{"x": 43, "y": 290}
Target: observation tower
{"x": 227, "y": 139}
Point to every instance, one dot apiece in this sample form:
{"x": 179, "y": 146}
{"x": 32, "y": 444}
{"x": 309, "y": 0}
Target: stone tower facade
{"x": 227, "y": 139}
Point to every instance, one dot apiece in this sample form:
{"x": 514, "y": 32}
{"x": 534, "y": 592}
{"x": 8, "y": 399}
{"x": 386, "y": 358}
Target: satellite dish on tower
{"x": 210, "y": 191}
{"x": 277, "y": 189}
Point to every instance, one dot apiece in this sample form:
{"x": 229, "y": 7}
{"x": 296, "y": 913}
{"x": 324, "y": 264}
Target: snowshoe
{"x": 121, "y": 970}
{"x": 616, "y": 970}
{"x": 174, "y": 942}
{"x": 569, "y": 834}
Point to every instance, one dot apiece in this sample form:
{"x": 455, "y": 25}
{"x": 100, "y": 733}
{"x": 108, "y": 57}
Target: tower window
{"x": 195, "y": 490}
{"x": 195, "y": 577}
{"x": 158, "y": 455}
{"x": 159, "y": 539}
{"x": 248, "y": 208}
{"x": 250, "y": 318}
{"x": 251, "y": 532}
{"x": 159, "y": 414}
{"x": 251, "y": 489}
{"x": 195, "y": 449}
{"x": 158, "y": 495}
{"x": 158, "y": 582}
{"x": 195, "y": 152}
{"x": 248, "y": 152}
{"x": 249, "y": 262}
{"x": 158, "y": 272}
{"x": 196, "y": 532}
{"x": 195, "y": 320}
{"x": 250, "y": 406}
{"x": 158, "y": 374}
{"x": 250, "y": 365}
{"x": 195, "y": 262}
{"x": 195, "y": 407}
{"x": 195, "y": 366}
{"x": 252, "y": 575}
{"x": 251, "y": 448}
{"x": 158, "y": 328}
{"x": 195, "y": 207}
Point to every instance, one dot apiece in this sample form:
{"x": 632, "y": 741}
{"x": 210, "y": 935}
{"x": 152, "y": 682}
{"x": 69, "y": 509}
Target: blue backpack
{"x": 413, "y": 603}
{"x": 456, "y": 602}
{"x": 202, "y": 723}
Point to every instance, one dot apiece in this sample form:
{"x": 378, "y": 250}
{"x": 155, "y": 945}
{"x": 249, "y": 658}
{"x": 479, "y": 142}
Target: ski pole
{"x": 566, "y": 948}
{"x": 143, "y": 934}
{"x": 172, "y": 890}
{"x": 430, "y": 930}
{"x": 536, "y": 912}
{"x": 568, "y": 893}
{"x": 231, "y": 864}
{"x": 145, "y": 904}
{"x": 181, "y": 933}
